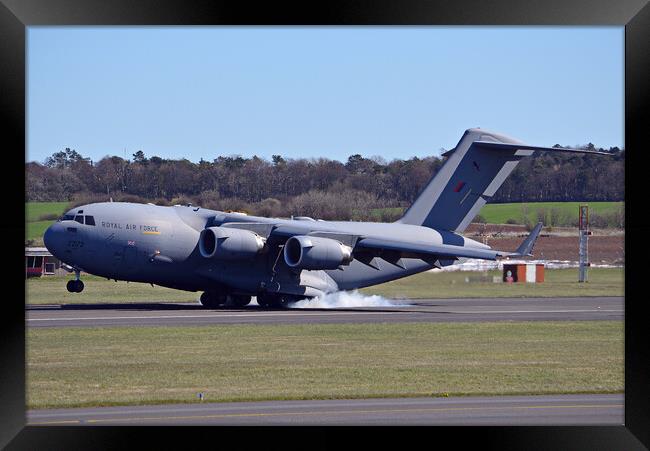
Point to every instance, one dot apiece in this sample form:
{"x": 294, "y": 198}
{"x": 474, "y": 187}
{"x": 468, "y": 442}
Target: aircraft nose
{"x": 53, "y": 237}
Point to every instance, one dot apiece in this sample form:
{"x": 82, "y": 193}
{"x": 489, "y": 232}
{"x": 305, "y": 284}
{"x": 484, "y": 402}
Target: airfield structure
{"x": 583, "y": 253}
{"x": 39, "y": 261}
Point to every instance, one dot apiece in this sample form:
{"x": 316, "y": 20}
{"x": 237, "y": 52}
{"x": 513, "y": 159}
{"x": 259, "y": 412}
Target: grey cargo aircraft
{"x": 232, "y": 256}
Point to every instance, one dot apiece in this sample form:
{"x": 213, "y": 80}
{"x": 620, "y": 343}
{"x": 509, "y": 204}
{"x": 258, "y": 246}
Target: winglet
{"x": 526, "y": 247}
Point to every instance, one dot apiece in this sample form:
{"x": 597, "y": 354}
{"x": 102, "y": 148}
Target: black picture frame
{"x": 16, "y": 15}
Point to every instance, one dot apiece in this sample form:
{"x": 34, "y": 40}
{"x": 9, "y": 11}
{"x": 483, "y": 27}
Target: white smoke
{"x": 472, "y": 264}
{"x": 345, "y": 299}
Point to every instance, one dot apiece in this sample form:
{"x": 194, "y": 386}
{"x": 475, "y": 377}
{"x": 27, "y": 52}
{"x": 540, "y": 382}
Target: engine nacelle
{"x": 311, "y": 252}
{"x": 224, "y": 243}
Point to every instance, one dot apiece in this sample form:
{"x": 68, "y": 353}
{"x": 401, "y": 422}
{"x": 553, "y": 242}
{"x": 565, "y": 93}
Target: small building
{"x": 524, "y": 272}
{"x": 39, "y": 261}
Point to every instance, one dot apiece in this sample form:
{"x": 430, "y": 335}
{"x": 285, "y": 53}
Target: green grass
{"x": 35, "y": 210}
{"x": 464, "y": 284}
{"x": 35, "y": 230}
{"x": 68, "y": 367}
{"x": 559, "y": 282}
{"x": 34, "y": 227}
{"x": 500, "y": 213}
{"x": 383, "y": 214}
{"x": 52, "y": 290}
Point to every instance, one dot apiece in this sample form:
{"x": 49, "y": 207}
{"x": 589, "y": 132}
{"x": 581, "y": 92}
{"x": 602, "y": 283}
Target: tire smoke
{"x": 345, "y": 299}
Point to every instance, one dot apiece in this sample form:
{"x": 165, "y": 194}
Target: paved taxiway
{"x": 418, "y": 310}
{"x": 493, "y": 410}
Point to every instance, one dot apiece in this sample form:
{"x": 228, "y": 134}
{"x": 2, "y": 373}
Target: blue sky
{"x": 395, "y": 92}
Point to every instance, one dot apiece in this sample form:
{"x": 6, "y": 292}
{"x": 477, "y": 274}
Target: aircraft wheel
{"x": 212, "y": 300}
{"x": 287, "y": 299}
{"x": 204, "y": 298}
{"x": 282, "y": 300}
{"x": 264, "y": 300}
{"x": 240, "y": 301}
{"x": 75, "y": 286}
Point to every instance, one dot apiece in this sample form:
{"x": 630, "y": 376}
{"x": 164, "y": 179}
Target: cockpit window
{"x": 79, "y": 219}
{"x": 66, "y": 218}
{"x": 90, "y": 220}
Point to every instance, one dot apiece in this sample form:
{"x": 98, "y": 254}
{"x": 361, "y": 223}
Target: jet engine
{"x": 310, "y": 252}
{"x": 223, "y": 243}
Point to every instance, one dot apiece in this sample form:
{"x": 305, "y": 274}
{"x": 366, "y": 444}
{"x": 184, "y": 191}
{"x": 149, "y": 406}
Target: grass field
{"x": 34, "y": 227}
{"x": 35, "y": 210}
{"x": 465, "y": 284}
{"x": 517, "y": 212}
{"x": 500, "y": 213}
{"x": 559, "y": 282}
{"x": 69, "y": 367}
{"x": 52, "y": 290}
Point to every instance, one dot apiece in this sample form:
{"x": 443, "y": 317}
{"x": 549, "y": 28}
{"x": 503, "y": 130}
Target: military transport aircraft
{"x": 232, "y": 256}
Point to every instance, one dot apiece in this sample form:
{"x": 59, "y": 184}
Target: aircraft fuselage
{"x": 159, "y": 245}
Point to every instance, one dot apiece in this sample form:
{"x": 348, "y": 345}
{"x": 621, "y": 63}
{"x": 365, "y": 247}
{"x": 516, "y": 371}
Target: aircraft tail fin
{"x": 474, "y": 170}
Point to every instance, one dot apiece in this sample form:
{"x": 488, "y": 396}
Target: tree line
{"x": 359, "y": 189}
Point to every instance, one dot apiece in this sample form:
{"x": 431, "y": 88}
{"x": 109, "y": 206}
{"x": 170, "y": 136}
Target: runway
{"x": 419, "y": 310}
{"x": 492, "y": 410}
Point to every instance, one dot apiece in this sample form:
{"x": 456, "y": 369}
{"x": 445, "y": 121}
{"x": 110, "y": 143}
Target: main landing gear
{"x": 76, "y": 285}
{"x": 277, "y": 300}
{"x": 214, "y": 299}
{"x": 240, "y": 300}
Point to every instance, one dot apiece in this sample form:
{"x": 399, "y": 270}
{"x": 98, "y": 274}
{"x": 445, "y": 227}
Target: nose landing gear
{"x": 76, "y": 285}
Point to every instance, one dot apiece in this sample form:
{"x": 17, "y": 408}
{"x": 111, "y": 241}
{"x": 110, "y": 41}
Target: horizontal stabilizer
{"x": 524, "y": 150}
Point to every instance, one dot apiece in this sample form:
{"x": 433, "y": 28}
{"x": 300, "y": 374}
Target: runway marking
{"x": 57, "y": 422}
{"x": 193, "y": 407}
{"x": 330, "y": 412}
{"x": 539, "y": 311}
{"x": 337, "y": 313}
{"x": 69, "y": 318}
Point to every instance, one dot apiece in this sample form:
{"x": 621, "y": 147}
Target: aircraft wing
{"x": 366, "y": 248}
{"x": 425, "y": 251}
{"x": 392, "y": 250}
